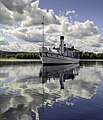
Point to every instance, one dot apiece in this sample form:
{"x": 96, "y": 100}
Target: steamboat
{"x": 59, "y": 55}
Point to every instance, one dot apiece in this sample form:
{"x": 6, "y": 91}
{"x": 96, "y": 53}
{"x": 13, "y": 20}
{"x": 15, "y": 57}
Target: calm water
{"x": 29, "y": 91}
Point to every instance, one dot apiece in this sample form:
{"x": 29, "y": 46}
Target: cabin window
{"x": 40, "y": 54}
{"x": 46, "y": 54}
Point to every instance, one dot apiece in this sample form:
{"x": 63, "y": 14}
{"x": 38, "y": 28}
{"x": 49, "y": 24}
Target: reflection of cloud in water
{"x": 25, "y": 92}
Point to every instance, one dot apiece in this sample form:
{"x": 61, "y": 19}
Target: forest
{"x": 91, "y": 55}
{"x": 35, "y": 55}
{"x": 19, "y": 55}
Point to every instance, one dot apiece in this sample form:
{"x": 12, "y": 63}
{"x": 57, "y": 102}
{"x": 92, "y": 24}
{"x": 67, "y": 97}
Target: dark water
{"x": 29, "y": 91}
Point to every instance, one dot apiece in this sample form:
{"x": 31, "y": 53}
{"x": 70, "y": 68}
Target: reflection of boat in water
{"x": 61, "y": 72}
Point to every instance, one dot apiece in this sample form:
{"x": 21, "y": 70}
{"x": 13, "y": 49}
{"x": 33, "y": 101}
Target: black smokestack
{"x": 61, "y": 37}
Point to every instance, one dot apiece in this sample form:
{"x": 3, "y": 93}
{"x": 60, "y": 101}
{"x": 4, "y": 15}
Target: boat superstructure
{"x": 59, "y": 55}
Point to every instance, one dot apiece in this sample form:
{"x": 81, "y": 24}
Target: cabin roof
{"x": 71, "y": 49}
{"x": 67, "y": 48}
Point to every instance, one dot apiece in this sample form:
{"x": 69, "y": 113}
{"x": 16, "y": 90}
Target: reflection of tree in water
{"x": 18, "y": 63}
{"x": 87, "y": 64}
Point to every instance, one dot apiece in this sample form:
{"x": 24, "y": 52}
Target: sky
{"x": 80, "y": 21}
{"x": 86, "y": 9}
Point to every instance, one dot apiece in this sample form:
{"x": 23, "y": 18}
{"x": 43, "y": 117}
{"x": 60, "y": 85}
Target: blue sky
{"x": 86, "y": 9}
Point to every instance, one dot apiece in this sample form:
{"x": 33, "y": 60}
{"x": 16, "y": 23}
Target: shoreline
{"x": 22, "y": 60}
{"x": 38, "y": 60}
{"x": 90, "y": 60}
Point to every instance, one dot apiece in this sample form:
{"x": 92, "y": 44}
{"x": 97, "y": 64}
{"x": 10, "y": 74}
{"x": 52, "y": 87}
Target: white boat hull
{"x": 50, "y": 58}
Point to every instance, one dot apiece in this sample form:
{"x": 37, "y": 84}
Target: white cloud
{"x": 29, "y": 34}
{"x": 15, "y": 5}
{"x": 35, "y": 16}
{"x": 3, "y": 41}
{"x": 15, "y": 47}
{"x": 30, "y": 12}
{"x": 53, "y": 29}
{"x": 70, "y": 12}
{"x": 27, "y": 19}
{"x": 82, "y": 29}
{"x": 5, "y": 15}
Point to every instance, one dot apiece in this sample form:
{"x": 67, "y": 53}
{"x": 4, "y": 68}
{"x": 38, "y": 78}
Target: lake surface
{"x": 29, "y": 91}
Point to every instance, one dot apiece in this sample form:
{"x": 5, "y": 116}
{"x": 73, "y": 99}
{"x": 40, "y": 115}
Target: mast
{"x": 43, "y": 32}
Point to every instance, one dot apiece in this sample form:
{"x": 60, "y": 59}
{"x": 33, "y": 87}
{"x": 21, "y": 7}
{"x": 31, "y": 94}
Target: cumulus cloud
{"x": 3, "y": 41}
{"x": 30, "y": 34}
{"x": 15, "y": 5}
{"x": 82, "y": 29}
{"x": 26, "y": 18}
{"x": 30, "y": 12}
{"x": 36, "y": 14}
{"x": 5, "y": 15}
{"x": 16, "y": 47}
{"x": 13, "y": 10}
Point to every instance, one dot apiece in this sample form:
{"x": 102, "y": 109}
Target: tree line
{"x": 91, "y": 55}
{"x": 35, "y": 55}
{"x": 19, "y": 55}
